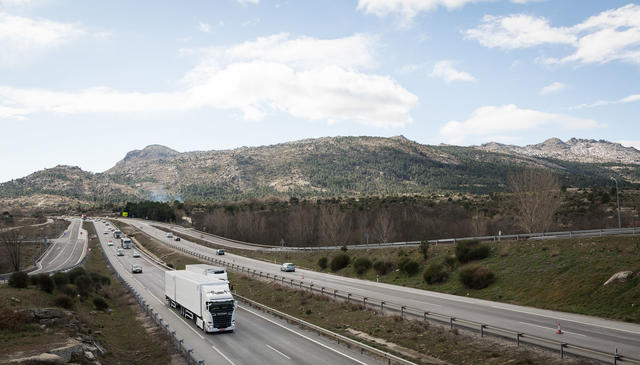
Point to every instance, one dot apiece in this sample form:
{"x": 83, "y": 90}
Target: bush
{"x": 34, "y": 279}
{"x": 99, "y": 280}
{"x": 61, "y": 279}
{"x": 450, "y": 262}
{"x": 340, "y": 262}
{"x": 411, "y": 267}
{"x": 476, "y": 277}
{"x": 100, "y": 304}
{"x": 323, "y": 262}
{"x": 361, "y": 265}
{"x": 73, "y": 274}
{"x": 70, "y": 290}
{"x": 424, "y": 249}
{"x": 46, "y": 283}
{"x": 401, "y": 262}
{"x": 471, "y": 250}
{"x": 382, "y": 267}
{"x": 12, "y": 320}
{"x": 435, "y": 273}
{"x": 343, "y": 248}
{"x": 19, "y": 279}
{"x": 63, "y": 301}
{"x": 84, "y": 284}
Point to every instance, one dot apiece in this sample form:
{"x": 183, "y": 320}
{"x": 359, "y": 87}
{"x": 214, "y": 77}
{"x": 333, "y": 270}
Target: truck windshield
{"x": 225, "y": 306}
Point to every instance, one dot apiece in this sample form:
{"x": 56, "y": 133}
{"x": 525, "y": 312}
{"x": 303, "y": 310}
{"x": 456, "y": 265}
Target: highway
{"x": 65, "y": 251}
{"x": 586, "y": 331}
{"x": 258, "y": 339}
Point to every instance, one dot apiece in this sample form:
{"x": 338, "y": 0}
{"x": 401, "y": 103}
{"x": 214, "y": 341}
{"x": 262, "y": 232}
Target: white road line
{"x": 303, "y": 336}
{"x": 566, "y": 320}
{"x": 553, "y": 329}
{"x": 223, "y": 355}
{"x": 278, "y": 352}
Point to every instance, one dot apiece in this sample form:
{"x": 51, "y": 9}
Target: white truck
{"x": 206, "y": 300}
{"x": 208, "y": 270}
{"x": 125, "y": 242}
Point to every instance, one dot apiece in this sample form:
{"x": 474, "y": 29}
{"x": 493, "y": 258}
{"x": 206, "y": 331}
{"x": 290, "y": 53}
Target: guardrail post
{"x": 322, "y": 290}
{"x": 167, "y": 327}
{"x": 348, "y": 297}
{"x": 518, "y": 338}
{"x": 189, "y": 351}
{"x": 364, "y": 302}
{"x": 451, "y": 319}
{"x": 482, "y": 327}
{"x": 402, "y": 311}
{"x": 335, "y": 293}
{"x": 180, "y": 342}
{"x": 616, "y": 357}
{"x": 172, "y": 335}
{"x": 562, "y": 346}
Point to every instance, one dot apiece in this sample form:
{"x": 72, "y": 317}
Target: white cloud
{"x": 502, "y": 122}
{"x": 204, "y": 27}
{"x": 445, "y": 70}
{"x": 408, "y": 9}
{"x": 22, "y": 38}
{"x": 305, "y": 77}
{"x": 245, "y": 2}
{"x": 629, "y": 99}
{"x": 605, "y": 37}
{"x": 552, "y": 88}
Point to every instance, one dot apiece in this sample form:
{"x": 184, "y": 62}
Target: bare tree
{"x": 383, "y": 226}
{"x": 334, "y": 225}
{"x": 299, "y": 226}
{"x": 12, "y": 242}
{"x": 536, "y": 195}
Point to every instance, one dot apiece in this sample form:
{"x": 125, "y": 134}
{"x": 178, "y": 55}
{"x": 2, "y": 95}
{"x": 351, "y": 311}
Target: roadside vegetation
{"x": 413, "y": 339}
{"x": 98, "y": 305}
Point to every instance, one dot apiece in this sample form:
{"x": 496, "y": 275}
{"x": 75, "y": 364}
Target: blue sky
{"x": 84, "y": 82}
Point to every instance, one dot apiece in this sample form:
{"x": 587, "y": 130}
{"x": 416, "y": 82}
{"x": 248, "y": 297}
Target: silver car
{"x": 136, "y": 268}
{"x": 288, "y": 267}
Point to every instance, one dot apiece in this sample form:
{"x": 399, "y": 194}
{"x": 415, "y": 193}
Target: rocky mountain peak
{"x": 150, "y": 153}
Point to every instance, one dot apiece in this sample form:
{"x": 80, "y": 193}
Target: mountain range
{"x": 323, "y": 167}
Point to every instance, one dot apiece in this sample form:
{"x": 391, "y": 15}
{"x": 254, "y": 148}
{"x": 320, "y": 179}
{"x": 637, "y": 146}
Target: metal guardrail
{"x": 391, "y": 359}
{"x": 406, "y": 311}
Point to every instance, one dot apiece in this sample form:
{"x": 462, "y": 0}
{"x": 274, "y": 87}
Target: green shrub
{"x": 61, "y": 279}
{"x": 99, "y": 280}
{"x": 34, "y": 279}
{"x": 19, "y": 279}
{"x": 70, "y": 290}
{"x": 471, "y": 250}
{"x": 476, "y": 276}
{"x": 100, "y": 304}
{"x": 382, "y": 267}
{"x": 450, "y": 262}
{"x": 46, "y": 283}
{"x": 340, "y": 262}
{"x": 361, "y": 265}
{"x": 401, "y": 262}
{"x": 435, "y": 273}
{"x": 84, "y": 284}
{"x": 323, "y": 262}
{"x": 73, "y": 274}
{"x": 63, "y": 301}
{"x": 411, "y": 267}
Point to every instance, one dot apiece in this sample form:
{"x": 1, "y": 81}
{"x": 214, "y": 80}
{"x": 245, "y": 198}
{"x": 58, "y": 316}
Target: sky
{"x": 84, "y": 82}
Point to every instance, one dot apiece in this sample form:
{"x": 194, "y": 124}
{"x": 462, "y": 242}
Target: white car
{"x": 136, "y": 268}
{"x": 120, "y": 252}
{"x": 110, "y": 243}
{"x": 169, "y": 235}
{"x": 106, "y": 232}
{"x": 136, "y": 254}
{"x": 287, "y": 266}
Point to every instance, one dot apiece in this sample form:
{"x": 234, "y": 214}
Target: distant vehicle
{"x": 117, "y": 234}
{"x": 136, "y": 268}
{"x": 208, "y": 270}
{"x": 176, "y": 238}
{"x": 287, "y": 266}
{"x": 120, "y": 252}
{"x": 169, "y": 235}
{"x": 110, "y": 243}
{"x": 205, "y": 300}
{"x": 106, "y": 232}
{"x": 136, "y": 254}
{"x": 125, "y": 242}
{"x": 220, "y": 252}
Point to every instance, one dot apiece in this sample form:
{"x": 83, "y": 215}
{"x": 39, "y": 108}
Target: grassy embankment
{"x": 31, "y": 251}
{"x": 127, "y": 335}
{"x": 564, "y": 274}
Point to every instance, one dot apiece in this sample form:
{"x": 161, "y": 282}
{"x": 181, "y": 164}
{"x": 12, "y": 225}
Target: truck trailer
{"x": 205, "y": 300}
{"x": 208, "y": 270}
{"x": 125, "y": 242}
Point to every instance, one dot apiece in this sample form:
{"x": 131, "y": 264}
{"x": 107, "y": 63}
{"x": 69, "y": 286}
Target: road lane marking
{"x": 553, "y": 329}
{"x": 223, "y": 355}
{"x": 278, "y": 352}
{"x": 567, "y": 320}
{"x": 303, "y": 336}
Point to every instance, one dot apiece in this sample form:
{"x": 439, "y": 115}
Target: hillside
{"x": 331, "y": 166}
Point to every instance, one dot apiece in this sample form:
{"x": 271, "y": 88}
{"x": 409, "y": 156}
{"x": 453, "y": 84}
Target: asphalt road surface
{"x": 65, "y": 251}
{"x": 586, "y": 331}
{"x": 258, "y": 339}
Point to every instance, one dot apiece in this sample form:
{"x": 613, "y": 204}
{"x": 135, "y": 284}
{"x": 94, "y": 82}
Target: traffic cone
{"x": 559, "y": 331}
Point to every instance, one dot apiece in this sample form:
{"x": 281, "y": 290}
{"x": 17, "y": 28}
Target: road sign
{"x": 125, "y": 214}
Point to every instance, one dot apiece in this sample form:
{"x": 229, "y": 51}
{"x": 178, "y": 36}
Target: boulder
{"x": 67, "y": 351}
{"x": 42, "y": 359}
{"x": 621, "y": 276}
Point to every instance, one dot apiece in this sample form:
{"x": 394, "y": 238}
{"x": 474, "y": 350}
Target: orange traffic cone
{"x": 559, "y": 331}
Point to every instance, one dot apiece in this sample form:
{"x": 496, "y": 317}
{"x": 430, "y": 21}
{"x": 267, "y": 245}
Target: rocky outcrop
{"x": 621, "y": 276}
{"x": 42, "y": 359}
